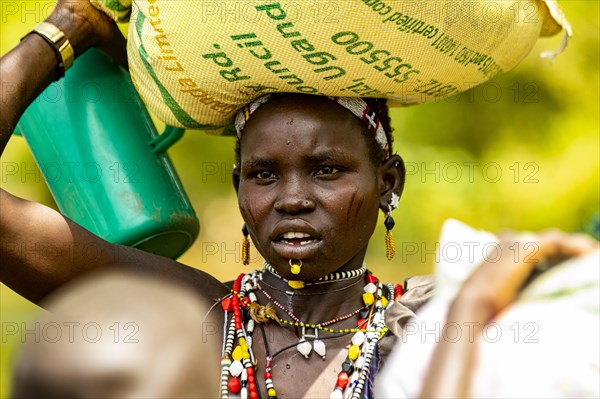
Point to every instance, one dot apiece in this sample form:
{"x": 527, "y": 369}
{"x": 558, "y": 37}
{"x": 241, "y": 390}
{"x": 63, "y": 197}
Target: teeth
{"x": 293, "y": 234}
{"x": 301, "y": 242}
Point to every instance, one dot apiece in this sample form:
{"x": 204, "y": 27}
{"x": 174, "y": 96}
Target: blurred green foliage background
{"x": 519, "y": 152}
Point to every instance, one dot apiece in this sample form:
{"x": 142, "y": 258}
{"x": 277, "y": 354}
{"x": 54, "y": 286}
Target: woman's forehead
{"x": 303, "y": 107}
{"x": 301, "y": 124}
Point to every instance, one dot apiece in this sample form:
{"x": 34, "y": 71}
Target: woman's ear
{"x": 393, "y": 175}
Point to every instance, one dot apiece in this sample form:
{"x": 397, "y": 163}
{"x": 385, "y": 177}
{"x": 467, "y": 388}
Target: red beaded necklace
{"x": 238, "y": 365}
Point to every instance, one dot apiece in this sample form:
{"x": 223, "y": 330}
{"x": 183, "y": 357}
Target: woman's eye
{"x": 327, "y": 170}
{"x": 265, "y": 175}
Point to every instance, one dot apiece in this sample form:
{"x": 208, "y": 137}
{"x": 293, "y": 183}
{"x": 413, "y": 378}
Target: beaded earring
{"x": 245, "y": 246}
{"x": 390, "y": 247}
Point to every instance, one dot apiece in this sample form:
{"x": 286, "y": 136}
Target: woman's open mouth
{"x": 296, "y": 238}
{"x": 296, "y": 245}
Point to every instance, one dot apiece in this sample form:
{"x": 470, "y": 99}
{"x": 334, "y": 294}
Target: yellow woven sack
{"x": 195, "y": 63}
{"x": 119, "y": 10}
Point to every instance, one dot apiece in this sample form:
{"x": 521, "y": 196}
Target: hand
{"x": 30, "y": 67}
{"x": 497, "y": 282}
{"x": 85, "y": 27}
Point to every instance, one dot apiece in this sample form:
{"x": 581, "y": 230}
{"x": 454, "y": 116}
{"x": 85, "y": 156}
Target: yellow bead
{"x": 295, "y": 268}
{"x": 271, "y": 392}
{"x": 368, "y": 298}
{"x": 353, "y": 352}
{"x": 384, "y": 301}
{"x": 246, "y": 354}
{"x": 237, "y": 353}
{"x": 296, "y": 284}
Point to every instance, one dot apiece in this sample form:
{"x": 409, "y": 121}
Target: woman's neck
{"x": 315, "y": 303}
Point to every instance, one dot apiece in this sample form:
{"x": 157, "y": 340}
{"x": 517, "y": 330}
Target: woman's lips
{"x": 296, "y": 248}
{"x": 296, "y": 238}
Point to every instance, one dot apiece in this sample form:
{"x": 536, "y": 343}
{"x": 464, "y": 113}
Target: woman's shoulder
{"x": 418, "y": 290}
{"x": 417, "y": 286}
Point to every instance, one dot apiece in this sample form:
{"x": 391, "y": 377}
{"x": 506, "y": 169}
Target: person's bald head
{"x": 121, "y": 335}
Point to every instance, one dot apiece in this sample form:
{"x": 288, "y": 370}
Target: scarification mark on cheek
{"x": 350, "y": 206}
{"x": 252, "y": 219}
{"x": 246, "y": 214}
{"x": 356, "y": 205}
{"x": 359, "y": 206}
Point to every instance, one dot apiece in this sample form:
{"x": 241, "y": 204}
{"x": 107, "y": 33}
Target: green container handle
{"x": 166, "y": 139}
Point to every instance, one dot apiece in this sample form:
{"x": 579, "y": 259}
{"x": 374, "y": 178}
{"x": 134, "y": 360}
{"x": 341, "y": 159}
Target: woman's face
{"x": 307, "y": 187}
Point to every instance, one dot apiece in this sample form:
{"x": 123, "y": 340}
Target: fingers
{"x": 108, "y": 35}
{"x": 556, "y": 245}
{"x": 116, "y": 47}
{"x": 568, "y": 245}
{"x": 86, "y": 27}
{"x": 550, "y": 245}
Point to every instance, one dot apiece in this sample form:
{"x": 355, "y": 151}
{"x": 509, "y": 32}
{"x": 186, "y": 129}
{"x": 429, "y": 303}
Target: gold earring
{"x": 245, "y": 246}
{"x": 390, "y": 247}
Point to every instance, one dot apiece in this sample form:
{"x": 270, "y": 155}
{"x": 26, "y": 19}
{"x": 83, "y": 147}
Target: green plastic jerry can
{"x": 104, "y": 161}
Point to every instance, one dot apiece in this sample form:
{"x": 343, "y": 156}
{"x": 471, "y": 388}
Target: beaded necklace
{"x": 238, "y": 364}
{"x": 304, "y": 346}
{"x": 297, "y": 292}
{"x": 337, "y": 276}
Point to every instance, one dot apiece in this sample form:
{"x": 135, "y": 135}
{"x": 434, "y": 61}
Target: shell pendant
{"x": 319, "y": 347}
{"x": 305, "y": 348}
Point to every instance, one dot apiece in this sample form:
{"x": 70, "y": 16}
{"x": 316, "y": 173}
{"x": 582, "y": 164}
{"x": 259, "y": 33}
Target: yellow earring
{"x": 390, "y": 247}
{"x": 245, "y": 246}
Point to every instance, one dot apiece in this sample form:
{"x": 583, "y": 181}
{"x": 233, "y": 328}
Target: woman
{"x": 311, "y": 177}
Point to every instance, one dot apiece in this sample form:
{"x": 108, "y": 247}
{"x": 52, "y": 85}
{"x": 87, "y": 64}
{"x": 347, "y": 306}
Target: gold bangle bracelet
{"x": 53, "y": 36}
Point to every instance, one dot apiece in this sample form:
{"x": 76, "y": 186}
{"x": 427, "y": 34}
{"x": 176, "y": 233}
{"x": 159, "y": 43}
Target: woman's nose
{"x": 294, "y": 198}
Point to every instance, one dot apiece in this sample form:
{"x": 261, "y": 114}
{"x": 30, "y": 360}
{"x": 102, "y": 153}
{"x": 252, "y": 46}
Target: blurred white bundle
{"x": 545, "y": 345}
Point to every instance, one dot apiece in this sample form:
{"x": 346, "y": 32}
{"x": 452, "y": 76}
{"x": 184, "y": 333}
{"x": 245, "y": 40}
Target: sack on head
{"x": 195, "y": 63}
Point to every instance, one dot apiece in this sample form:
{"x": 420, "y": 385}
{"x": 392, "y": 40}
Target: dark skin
{"x": 26, "y": 224}
{"x": 307, "y": 170}
{"x": 305, "y": 167}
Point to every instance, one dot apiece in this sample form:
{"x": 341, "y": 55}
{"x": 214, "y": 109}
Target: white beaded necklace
{"x": 330, "y": 278}
{"x": 238, "y": 375}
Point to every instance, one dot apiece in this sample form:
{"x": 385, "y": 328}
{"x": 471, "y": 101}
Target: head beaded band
{"x": 357, "y": 106}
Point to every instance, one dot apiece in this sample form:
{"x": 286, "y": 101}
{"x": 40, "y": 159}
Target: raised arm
{"x": 39, "y": 248}
{"x": 28, "y": 68}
